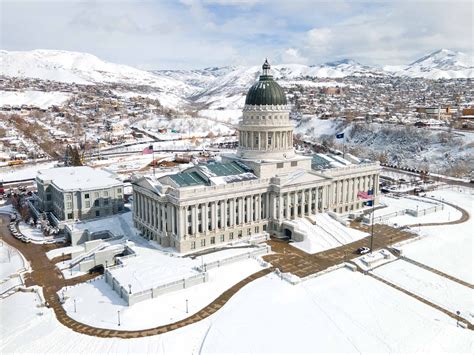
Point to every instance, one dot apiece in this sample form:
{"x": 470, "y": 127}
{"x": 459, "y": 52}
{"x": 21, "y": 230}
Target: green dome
{"x": 266, "y": 91}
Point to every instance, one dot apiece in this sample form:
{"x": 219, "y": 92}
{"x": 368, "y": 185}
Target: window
{"x": 86, "y": 195}
{"x": 193, "y": 245}
{"x": 256, "y": 139}
{"x": 119, "y": 190}
{"x": 279, "y": 165}
{"x": 294, "y": 163}
{"x": 88, "y": 204}
{"x": 68, "y": 197}
{"x": 96, "y": 203}
{"x": 69, "y": 216}
{"x": 69, "y": 205}
{"x": 203, "y": 242}
{"x": 96, "y": 194}
{"x": 213, "y": 240}
{"x": 97, "y": 213}
{"x": 48, "y": 197}
{"x": 106, "y": 202}
{"x": 222, "y": 238}
{"x": 106, "y": 193}
{"x": 249, "y": 231}
{"x": 269, "y": 139}
{"x": 257, "y": 229}
{"x": 231, "y": 235}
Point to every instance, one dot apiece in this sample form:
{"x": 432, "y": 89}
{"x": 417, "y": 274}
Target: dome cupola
{"x": 266, "y": 91}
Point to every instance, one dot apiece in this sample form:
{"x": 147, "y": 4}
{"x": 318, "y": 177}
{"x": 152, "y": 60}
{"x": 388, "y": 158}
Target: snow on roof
{"x": 79, "y": 177}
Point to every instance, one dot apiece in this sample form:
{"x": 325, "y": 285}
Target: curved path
{"x": 46, "y": 275}
{"x": 464, "y": 216}
{"x": 287, "y": 259}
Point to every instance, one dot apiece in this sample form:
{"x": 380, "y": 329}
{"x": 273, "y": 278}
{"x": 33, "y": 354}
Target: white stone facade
{"x": 284, "y": 187}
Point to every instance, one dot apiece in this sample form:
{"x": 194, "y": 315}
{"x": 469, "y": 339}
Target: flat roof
{"x": 79, "y": 178}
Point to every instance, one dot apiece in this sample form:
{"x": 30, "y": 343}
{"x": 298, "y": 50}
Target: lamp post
{"x": 457, "y": 319}
{"x": 106, "y": 264}
{"x": 75, "y": 311}
{"x": 186, "y": 306}
{"x": 129, "y": 289}
{"x": 118, "y": 315}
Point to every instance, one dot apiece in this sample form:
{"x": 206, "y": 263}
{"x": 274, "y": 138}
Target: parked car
{"x": 363, "y": 250}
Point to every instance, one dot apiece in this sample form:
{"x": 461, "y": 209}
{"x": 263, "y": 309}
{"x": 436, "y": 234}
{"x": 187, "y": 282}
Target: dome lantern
{"x": 266, "y": 91}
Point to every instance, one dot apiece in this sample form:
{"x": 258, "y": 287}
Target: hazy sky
{"x": 162, "y": 34}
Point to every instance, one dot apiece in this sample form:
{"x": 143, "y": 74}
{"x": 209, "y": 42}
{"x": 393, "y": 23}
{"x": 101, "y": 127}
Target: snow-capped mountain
{"x": 214, "y": 88}
{"x": 442, "y": 64}
{"x": 84, "y": 68}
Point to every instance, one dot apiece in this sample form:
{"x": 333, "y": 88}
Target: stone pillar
{"x": 193, "y": 219}
{"x": 288, "y": 211}
{"x": 303, "y": 202}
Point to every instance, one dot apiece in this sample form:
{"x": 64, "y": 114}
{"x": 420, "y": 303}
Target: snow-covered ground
{"x": 341, "y": 311}
{"x": 10, "y": 261}
{"x": 448, "y": 248}
{"x": 433, "y": 287}
{"x": 23, "y": 172}
{"x": 398, "y": 204}
{"x": 97, "y": 304}
{"x": 326, "y": 233}
{"x": 35, "y": 234}
{"x": 39, "y": 99}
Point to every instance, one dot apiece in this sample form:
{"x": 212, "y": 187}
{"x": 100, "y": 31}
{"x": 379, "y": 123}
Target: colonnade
{"x": 268, "y": 140}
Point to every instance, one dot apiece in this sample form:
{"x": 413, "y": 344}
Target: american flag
{"x": 363, "y": 195}
{"x": 148, "y": 150}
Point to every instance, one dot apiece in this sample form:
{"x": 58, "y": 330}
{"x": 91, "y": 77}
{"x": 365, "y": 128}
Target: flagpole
{"x": 153, "y": 157}
{"x": 344, "y": 146}
{"x": 372, "y": 227}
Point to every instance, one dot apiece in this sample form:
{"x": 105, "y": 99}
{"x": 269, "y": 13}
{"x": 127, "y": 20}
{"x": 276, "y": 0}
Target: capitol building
{"x": 257, "y": 191}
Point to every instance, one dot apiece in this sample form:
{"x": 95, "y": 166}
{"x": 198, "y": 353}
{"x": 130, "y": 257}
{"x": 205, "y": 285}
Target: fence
{"x": 411, "y": 212}
{"x": 135, "y": 297}
{"x": 231, "y": 259}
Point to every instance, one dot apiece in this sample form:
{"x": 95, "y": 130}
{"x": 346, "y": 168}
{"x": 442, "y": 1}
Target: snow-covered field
{"x": 97, "y": 304}
{"x": 10, "y": 261}
{"x": 398, "y": 204}
{"x": 40, "y": 99}
{"x": 448, "y": 248}
{"x": 432, "y": 287}
{"x": 341, "y": 311}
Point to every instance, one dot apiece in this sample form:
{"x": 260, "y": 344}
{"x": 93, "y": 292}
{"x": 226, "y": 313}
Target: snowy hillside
{"x": 442, "y": 64}
{"x": 83, "y": 68}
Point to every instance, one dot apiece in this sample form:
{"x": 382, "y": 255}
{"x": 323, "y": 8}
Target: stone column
{"x": 224, "y": 213}
{"x": 303, "y": 202}
{"x": 288, "y": 211}
{"x": 193, "y": 219}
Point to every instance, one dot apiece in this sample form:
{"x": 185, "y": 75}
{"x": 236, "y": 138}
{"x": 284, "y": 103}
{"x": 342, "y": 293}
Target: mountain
{"x": 214, "y": 88}
{"x": 84, "y": 68}
{"x": 441, "y": 64}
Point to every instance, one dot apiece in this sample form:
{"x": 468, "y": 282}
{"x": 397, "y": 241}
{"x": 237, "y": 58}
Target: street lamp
{"x": 75, "y": 311}
{"x": 118, "y": 315}
{"x": 457, "y": 319}
{"x": 106, "y": 264}
{"x": 186, "y": 306}
{"x": 129, "y": 289}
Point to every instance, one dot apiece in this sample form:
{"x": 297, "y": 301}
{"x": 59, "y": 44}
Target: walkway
{"x": 421, "y": 299}
{"x": 286, "y": 258}
{"x": 46, "y": 275}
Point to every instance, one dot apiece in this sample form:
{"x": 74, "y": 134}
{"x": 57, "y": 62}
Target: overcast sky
{"x": 184, "y": 34}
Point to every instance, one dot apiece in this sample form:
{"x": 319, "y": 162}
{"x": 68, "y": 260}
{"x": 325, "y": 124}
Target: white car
{"x": 363, "y": 250}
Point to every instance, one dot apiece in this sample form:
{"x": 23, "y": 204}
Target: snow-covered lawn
{"x": 338, "y": 312}
{"x": 341, "y": 311}
{"x": 398, "y": 204}
{"x": 97, "y": 304}
{"x": 448, "y": 248}
{"x": 34, "y": 233}
{"x": 433, "y": 287}
{"x": 10, "y": 261}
